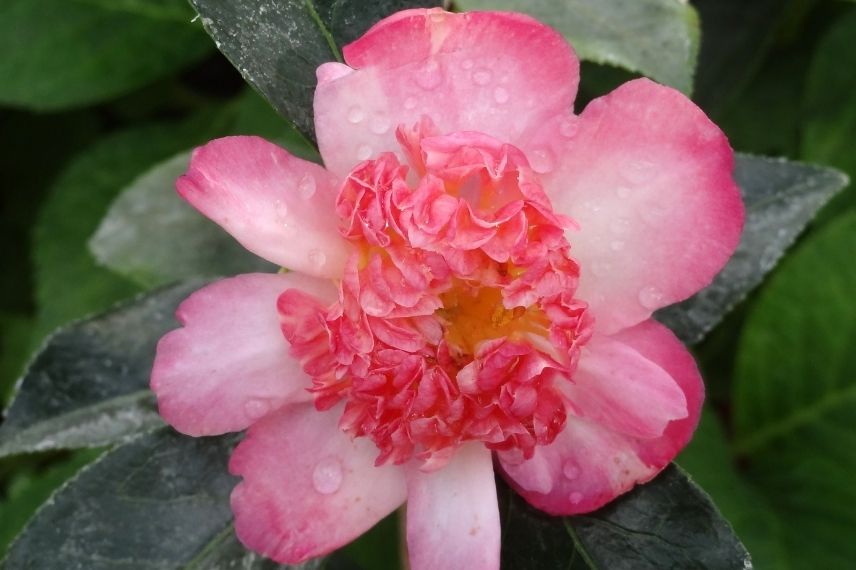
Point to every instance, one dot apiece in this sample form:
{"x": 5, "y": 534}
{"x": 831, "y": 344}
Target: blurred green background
{"x": 93, "y": 93}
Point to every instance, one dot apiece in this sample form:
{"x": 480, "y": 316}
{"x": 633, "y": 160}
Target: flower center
{"x": 456, "y": 318}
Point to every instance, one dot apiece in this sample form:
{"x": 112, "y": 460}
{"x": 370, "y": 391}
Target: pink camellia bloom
{"x": 472, "y": 278}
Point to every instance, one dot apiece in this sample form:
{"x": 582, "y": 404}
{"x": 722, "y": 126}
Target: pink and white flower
{"x": 472, "y": 278}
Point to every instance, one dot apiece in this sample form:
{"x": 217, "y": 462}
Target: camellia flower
{"x": 472, "y": 278}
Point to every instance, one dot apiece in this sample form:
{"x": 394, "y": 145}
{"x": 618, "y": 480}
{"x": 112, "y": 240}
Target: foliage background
{"x": 94, "y": 93}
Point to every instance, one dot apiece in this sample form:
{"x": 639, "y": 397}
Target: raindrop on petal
{"x": 256, "y": 408}
{"x": 327, "y": 476}
{"x": 570, "y": 469}
{"x": 650, "y": 297}
{"x": 306, "y": 186}
{"x": 317, "y": 258}
{"x": 429, "y": 77}
{"x": 356, "y": 115}
{"x": 569, "y": 127}
{"x": 410, "y": 103}
{"x": 500, "y": 95}
{"x": 575, "y": 498}
{"x": 638, "y": 171}
{"x": 482, "y": 77}
{"x": 380, "y": 125}
{"x": 541, "y": 161}
{"x": 364, "y": 152}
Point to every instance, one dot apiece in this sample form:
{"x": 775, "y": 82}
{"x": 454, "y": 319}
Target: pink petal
{"x": 495, "y": 73}
{"x": 278, "y": 206}
{"x": 308, "y": 488}
{"x": 588, "y": 464}
{"x": 229, "y": 365}
{"x": 618, "y": 388}
{"x": 453, "y": 515}
{"x": 648, "y": 177}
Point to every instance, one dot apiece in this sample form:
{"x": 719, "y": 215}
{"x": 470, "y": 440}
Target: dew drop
{"x": 317, "y": 258}
{"x": 650, "y": 297}
{"x": 364, "y": 152}
{"x": 429, "y": 77}
{"x": 467, "y": 64}
{"x": 380, "y": 125}
{"x": 281, "y": 211}
{"x": 619, "y": 226}
{"x": 255, "y": 408}
{"x": 569, "y": 127}
{"x": 482, "y": 77}
{"x": 617, "y": 245}
{"x": 570, "y": 470}
{"x": 623, "y": 192}
{"x": 541, "y": 161}
{"x": 500, "y": 95}
{"x": 306, "y": 186}
{"x": 638, "y": 171}
{"x": 356, "y": 115}
{"x": 327, "y": 476}
{"x": 410, "y": 103}
{"x": 575, "y": 498}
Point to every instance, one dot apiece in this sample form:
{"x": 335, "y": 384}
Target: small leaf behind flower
{"x": 781, "y": 198}
{"x": 667, "y": 523}
{"x": 88, "y": 385}
{"x": 278, "y": 44}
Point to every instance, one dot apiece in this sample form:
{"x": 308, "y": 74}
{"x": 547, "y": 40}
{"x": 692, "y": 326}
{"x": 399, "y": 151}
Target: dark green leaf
{"x": 830, "y": 108}
{"x": 781, "y": 197}
{"x": 795, "y": 397}
{"x": 88, "y": 386}
{"x": 708, "y": 458}
{"x": 278, "y": 44}
{"x": 669, "y": 523}
{"x": 658, "y": 38}
{"x": 153, "y": 237}
{"x": 69, "y": 285}
{"x": 65, "y": 53}
{"x": 160, "y": 501}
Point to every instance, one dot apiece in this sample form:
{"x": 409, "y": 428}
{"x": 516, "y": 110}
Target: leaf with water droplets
{"x": 160, "y": 501}
{"x": 278, "y": 44}
{"x": 88, "y": 385}
{"x": 781, "y": 198}
{"x": 667, "y": 523}
{"x": 658, "y": 38}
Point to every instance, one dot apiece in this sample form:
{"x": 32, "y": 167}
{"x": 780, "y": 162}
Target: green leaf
{"x": 66, "y": 53}
{"x": 278, "y": 44}
{"x": 658, "y": 38}
{"x": 795, "y": 397}
{"x": 160, "y": 501}
{"x": 89, "y": 384}
{"x": 69, "y": 285}
{"x": 153, "y": 237}
{"x": 667, "y": 523}
{"x": 781, "y": 198}
{"x": 830, "y": 109}
{"x": 29, "y": 490}
{"x": 709, "y": 460}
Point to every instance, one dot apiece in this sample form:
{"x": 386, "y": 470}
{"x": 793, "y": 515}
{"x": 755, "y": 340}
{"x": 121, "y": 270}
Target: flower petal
{"x": 308, "y": 488}
{"x": 648, "y": 177}
{"x": 495, "y": 73}
{"x": 278, "y": 206}
{"x": 229, "y": 365}
{"x": 618, "y": 388}
{"x": 453, "y": 515}
{"x": 588, "y": 465}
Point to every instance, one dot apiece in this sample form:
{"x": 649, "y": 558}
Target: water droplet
{"x": 569, "y": 127}
{"x": 570, "y": 469}
{"x": 622, "y": 192}
{"x": 364, "y": 152}
{"x": 317, "y": 258}
{"x": 380, "y": 125}
{"x": 650, "y": 297}
{"x": 638, "y": 171}
{"x": 410, "y": 103}
{"x": 500, "y": 95}
{"x": 482, "y": 77}
{"x": 617, "y": 245}
{"x": 356, "y": 115}
{"x": 280, "y": 209}
{"x": 327, "y": 476}
{"x": 429, "y": 77}
{"x": 575, "y": 498}
{"x": 256, "y": 408}
{"x": 467, "y": 64}
{"x": 306, "y": 186}
{"x": 541, "y": 161}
